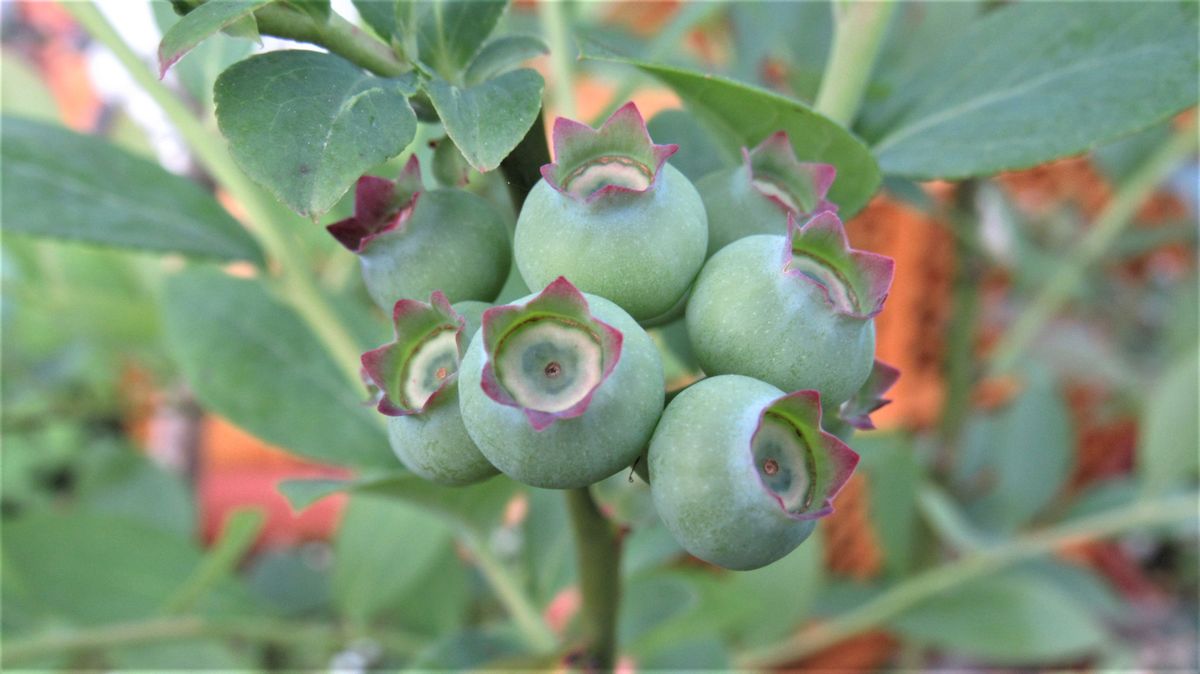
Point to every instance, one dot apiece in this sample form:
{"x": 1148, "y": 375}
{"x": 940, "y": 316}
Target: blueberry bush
{"x": 601, "y": 382}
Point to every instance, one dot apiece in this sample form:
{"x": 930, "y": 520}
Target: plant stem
{"x": 554, "y": 23}
{"x": 1109, "y": 224}
{"x": 598, "y": 553}
{"x": 175, "y": 628}
{"x": 858, "y": 33}
{"x": 240, "y": 531}
{"x": 923, "y": 586}
{"x": 337, "y": 35}
{"x": 295, "y": 281}
{"x": 515, "y": 601}
{"x": 960, "y": 337}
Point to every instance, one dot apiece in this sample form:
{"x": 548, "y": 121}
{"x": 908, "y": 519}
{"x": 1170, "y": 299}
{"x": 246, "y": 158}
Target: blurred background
{"x": 141, "y": 530}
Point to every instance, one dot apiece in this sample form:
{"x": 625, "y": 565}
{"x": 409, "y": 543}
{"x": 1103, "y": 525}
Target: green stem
{"x": 175, "y": 628}
{"x": 598, "y": 553}
{"x": 858, "y": 35}
{"x": 1099, "y": 238}
{"x": 960, "y": 337}
{"x": 554, "y": 24}
{"x": 295, "y": 281}
{"x": 337, "y": 35}
{"x": 240, "y": 532}
{"x": 923, "y": 586}
{"x": 516, "y": 602}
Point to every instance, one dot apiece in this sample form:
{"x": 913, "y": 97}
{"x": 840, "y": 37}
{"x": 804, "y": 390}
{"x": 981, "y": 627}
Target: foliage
{"x": 109, "y": 274}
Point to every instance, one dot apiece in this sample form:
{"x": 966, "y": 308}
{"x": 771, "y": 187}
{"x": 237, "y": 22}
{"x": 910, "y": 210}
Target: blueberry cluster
{"x": 565, "y": 387}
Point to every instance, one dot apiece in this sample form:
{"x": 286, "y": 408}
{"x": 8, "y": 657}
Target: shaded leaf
{"x": 1008, "y": 619}
{"x": 307, "y": 124}
{"x": 486, "y": 121}
{"x": 1034, "y": 81}
{"x": 698, "y": 153}
{"x": 1026, "y": 452}
{"x": 251, "y": 359}
{"x": 1169, "y": 439}
{"x": 199, "y": 24}
{"x": 477, "y": 506}
{"x": 501, "y": 55}
{"x": 743, "y": 115}
{"x": 448, "y": 32}
{"x": 384, "y": 549}
{"x": 59, "y": 183}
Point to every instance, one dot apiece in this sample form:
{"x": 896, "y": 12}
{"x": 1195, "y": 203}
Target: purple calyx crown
{"x": 857, "y": 410}
{"x": 416, "y": 324}
{"x": 855, "y": 283}
{"x": 617, "y": 158}
{"x": 830, "y": 461}
{"x": 380, "y": 206}
{"x": 795, "y": 186}
{"x": 560, "y": 302}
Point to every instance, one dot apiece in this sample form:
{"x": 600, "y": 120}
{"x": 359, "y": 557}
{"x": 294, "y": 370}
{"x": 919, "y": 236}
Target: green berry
{"x": 740, "y": 471}
{"x": 411, "y": 242}
{"x": 416, "y": 374}
{"x": 561, "y": 389}
{"x": 795, "y": 311}
{"x": 613, "y": 217}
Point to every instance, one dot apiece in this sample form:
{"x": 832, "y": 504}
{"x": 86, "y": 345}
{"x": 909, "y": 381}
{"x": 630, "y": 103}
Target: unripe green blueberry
{"x": 757, "y": 196}
{"x": 417, "y": 376}
{"x": 613, "y": 217}
{"x": 411, "y": 242}
{"x": 794, "y": 311}
{"x": 740, "y": 471}
{"x": 560, "y": 389}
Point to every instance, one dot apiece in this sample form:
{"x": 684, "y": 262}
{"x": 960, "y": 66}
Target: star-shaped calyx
{"x": 380, "y": 206}
{"x": 549, "y": 356}
{"x": 857, "y": 410}
{"x": 855, "y": 283}
{"x": 617, "y": 158}
{"x": 799, "y": 464}
{"x": 414, "y": 370}
{"x": 795, "y": 186}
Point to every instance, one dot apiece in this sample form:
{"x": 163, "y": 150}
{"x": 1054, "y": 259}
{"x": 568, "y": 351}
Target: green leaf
{"x": 23, "y": 90}
{"x": 893, "y": 474}
{"x": 774, "y": 599}
{"x": 1004, "y": 620}
{"x": 384, "y": 549}
{"x": 306, "y": 124}
{"x": 486, "y": 121}
{"x": 501, "y": 55}
{"x": 698, "y": 153}
{"x": 62, "y": 184}
{"x": 380, "y": 15}
{"x": 1035, "y": 81}
{"x": 1027, "y": 451}
{"x": 205, "y": 62}
{"x": 743, "y": 116}
{"x": 115, "y": 570}
{"x": 199, "y": 24}
{"x": 477, "y": 507}
{"x": 1167, "y": 448}
{"x": 252, "y": 360}
{"x": 448, "y": 33}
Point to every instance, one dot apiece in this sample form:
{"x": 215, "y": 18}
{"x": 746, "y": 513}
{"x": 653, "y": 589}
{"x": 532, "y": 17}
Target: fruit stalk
{"x": 857, "y": 39}
{"x": 598, "y": 553}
